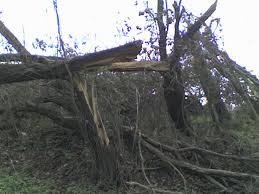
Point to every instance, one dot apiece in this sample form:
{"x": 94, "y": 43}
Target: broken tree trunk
{"x": 55, "y": 69}
{"x": 11, "y": 73}
{"x": 105, "y": 154}
{"x": 86, "y": 117}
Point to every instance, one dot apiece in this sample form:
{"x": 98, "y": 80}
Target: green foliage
{"x": 243, "y": 123}
{"x": 85, "y": 189}
{"x": 20, "y": 182}
{"x": 16, "y": 183}
{"x": 247, "y": 131}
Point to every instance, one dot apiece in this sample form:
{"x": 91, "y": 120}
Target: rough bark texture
{"x": 162, "y": 30}
{"x": 173, "y": 83}
{"x": 105, "y": 155}
{"x": 55, "y": 69}
{"x": 84, "y": 118}
{"x": 174, "y": 96}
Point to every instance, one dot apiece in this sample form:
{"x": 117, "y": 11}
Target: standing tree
{"x": 174, "y": 91}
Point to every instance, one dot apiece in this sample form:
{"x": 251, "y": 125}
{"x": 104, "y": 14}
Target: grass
{"x": 18, "y": 183}
{"x": 22, "y": 183}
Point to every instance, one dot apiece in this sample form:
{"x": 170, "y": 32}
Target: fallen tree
{"x": 79, "y": 98}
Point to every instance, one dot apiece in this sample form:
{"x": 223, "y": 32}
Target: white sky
{"x": 96, "y": 22}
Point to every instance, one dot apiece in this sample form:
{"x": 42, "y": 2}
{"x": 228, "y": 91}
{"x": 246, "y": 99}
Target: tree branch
{"x": 13, "y": 40}
{"x": 200, "y": 170}
{"x": 35, "y": 58}
{"x": 10, "y": 73}
{"x": 55, "y": 116}
{"x": 196, "y": 149}
{"x": 196, "y": 26}
{"x": 123, "y": 53}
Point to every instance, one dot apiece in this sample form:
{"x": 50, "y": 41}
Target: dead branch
{"x": 10, "y": 73}
{"x": 197, "y": 169}
{"x": 54, "y": 115}
{"x": 241, "y": 70}
{"x": 196, "y": 26}
{"x": 158, "y": 66}
{"x": 143, "y": 166}
{"x": 214, "y": 181}
{"x": 13, "y": 40}
{"x": 123, "y": 53}
{"x": 35, "y": 58}
{"x": 233, "y": 157}
{"x": 196, "y": 149}
{"x": 59, "y": 86}
{"x": 169, "y": 162}
{"x": 65, "y": 102}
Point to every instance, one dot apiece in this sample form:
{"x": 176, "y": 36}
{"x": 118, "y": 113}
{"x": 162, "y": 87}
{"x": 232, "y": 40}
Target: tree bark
{"x": 162, "y": 30}
{"x": 105, "y": 156}
{"x": 173, "y": 82}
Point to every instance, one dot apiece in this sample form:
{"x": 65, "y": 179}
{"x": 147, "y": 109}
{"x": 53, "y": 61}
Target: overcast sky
{"x": 97, "y": 22}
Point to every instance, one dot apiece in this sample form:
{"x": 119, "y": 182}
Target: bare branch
{"x": 200, "y": 170}
{"x": 10, "y": 37}
{"x": 198, "y": 150}
{"x": 196, "y": 26}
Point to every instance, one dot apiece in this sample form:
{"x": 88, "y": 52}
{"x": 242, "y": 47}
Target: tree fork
{"x": 173, "y": 83}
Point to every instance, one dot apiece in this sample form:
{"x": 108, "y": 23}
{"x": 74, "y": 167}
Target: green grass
{"x": 21, "y": 183}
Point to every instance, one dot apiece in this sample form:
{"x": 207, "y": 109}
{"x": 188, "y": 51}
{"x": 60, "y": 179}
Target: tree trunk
{"x": 173, "y": 87}
{"x": 174, "y": 96}
{"x": 105, "y": 155}
{"x": 173, "y": 83}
